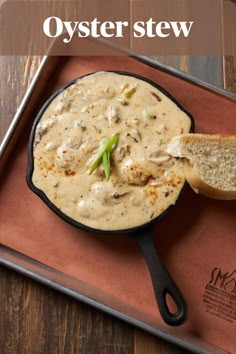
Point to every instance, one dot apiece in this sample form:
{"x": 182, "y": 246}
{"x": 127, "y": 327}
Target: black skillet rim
{"x": 46, "y": 200}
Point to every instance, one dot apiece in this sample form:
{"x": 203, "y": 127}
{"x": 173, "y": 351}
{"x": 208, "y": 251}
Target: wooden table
{"x": 35, "y": 319}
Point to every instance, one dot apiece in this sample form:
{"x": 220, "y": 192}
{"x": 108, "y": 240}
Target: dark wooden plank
{"x": 16, "y": 73}
{"x": 145, "y": 344}
{"x": 35, "y": 319}
{"x": 230, "y": 73}
{"x": 229, "y": 42}
{"x": 100, "y": 333}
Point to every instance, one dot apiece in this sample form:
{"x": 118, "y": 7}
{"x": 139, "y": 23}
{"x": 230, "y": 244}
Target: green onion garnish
{"x": 104, "y": 154}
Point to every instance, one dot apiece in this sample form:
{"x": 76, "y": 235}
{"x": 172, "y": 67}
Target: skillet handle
{"x": 162, "y": 282}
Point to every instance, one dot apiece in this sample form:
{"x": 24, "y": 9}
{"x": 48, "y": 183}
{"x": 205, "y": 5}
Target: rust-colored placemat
{"x": 196, "y": 240}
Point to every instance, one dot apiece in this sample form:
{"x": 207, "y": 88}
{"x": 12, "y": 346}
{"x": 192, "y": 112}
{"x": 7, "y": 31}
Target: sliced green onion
{"x": 106, "y": 164}
{"x": 98, "y": 159}
{"x": 104, "y": 153}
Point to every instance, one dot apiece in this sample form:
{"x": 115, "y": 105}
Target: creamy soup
{"x": 133, "y": 181}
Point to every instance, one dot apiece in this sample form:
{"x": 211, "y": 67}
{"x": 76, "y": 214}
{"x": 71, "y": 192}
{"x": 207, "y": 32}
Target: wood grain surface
{"x": 35, "y": 319}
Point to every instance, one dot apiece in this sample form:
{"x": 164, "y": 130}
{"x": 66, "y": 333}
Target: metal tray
{"x": 60, "y": 281}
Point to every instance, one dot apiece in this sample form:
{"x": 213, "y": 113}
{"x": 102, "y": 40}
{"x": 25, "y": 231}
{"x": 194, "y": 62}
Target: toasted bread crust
{"x": 178, "y": 142}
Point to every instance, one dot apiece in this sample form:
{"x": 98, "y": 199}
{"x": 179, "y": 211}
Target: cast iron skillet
{"x": 162, "y": 282}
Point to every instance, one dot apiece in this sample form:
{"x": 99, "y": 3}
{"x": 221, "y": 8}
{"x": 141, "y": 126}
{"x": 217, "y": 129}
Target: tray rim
{"x": 79, "y": 296}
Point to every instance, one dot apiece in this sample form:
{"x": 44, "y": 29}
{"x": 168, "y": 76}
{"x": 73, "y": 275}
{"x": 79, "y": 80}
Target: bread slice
{"x": 209, "y": 163}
